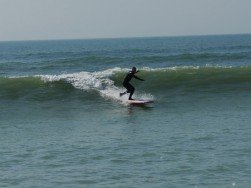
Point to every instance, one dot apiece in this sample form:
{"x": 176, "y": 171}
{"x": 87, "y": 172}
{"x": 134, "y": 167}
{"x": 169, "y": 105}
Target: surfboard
{"x": 140, "y": 102}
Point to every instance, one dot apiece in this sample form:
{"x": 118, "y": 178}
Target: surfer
{"x": 127, "y": 85}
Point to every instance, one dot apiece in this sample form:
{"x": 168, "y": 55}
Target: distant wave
{"x": 196, "y": 57}
{"x": 133, "y": 55}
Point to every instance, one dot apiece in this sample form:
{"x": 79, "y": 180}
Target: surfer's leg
{"x": 130, "y": 97}
{"x": 127, "y": 86}
{"x": 131, "y": 91}
{"x": 121, "y": 94}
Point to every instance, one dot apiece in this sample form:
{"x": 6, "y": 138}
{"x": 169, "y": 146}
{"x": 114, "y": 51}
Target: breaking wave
{"x": 107, "y": 83}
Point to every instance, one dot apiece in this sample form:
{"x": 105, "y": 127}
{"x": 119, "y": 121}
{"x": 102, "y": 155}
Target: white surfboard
{"x": 140, "y": 102}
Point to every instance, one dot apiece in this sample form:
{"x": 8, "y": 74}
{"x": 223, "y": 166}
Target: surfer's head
{"x": 134, "y": 69}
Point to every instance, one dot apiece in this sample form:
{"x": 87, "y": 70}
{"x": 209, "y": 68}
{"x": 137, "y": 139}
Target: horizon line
{"x": 111, "y": 38}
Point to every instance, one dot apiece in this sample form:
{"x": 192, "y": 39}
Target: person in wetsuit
{"x": 127, "y": 85}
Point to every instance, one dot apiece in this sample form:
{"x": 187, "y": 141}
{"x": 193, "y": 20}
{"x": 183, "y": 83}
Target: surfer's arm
{"x": 138, "y": 78}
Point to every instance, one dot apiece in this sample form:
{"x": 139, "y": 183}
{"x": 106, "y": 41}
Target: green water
{"x": 63, "y": 124}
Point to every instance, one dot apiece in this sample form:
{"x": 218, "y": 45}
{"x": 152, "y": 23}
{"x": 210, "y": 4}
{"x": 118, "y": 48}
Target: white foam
{"x": 176, "y": 68}
{"x": 170, "y": 68}
{"x": 98, "y": 81}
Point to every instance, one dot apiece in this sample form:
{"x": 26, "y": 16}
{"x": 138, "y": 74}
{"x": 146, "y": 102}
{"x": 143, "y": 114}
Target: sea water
{"x": 63, "y": 124}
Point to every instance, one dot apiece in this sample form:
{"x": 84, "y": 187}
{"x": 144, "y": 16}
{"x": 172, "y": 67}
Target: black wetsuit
{"x": 127, "y": 85}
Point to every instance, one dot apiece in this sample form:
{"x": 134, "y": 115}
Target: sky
{"x": 84, "y": 19}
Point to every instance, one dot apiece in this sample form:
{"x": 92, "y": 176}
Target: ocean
{"x": 63, "y": 123}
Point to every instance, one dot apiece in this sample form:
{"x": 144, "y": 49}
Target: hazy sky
{"x": 69, "y": 19}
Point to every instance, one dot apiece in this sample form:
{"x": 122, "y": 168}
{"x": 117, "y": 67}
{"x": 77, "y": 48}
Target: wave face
{"x": 107, "y": 83}
{"x": 196, "y": 78}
